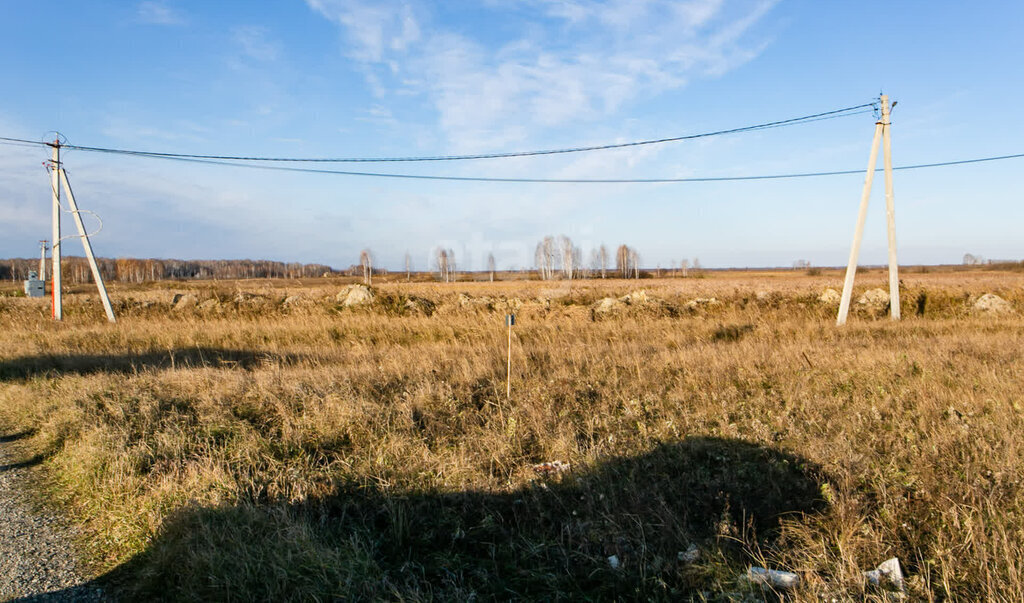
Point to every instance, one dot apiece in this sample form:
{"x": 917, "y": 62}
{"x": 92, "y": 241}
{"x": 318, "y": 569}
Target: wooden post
{"x": 58, "y": 302}
{"x": 96, "y": 276}
{"x": 510, "y": 319}
{"x": 858, "y": 233}
{"x": 890, "y": 213}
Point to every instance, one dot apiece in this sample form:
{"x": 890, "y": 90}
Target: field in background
{"x": 261, "y": 439}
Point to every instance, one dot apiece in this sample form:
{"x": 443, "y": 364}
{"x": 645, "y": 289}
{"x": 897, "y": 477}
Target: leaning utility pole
{"x": 60, "y": 177}
{"x": 882, "y": 127}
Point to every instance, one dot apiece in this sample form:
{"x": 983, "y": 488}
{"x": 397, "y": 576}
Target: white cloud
{"x": 156, "y": 12}
{"x": 571, "y": 62}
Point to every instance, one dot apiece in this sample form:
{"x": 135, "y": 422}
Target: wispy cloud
{"x": 156, "y": 12}
{"x": 254, "y": 41}
{"x": 572, "y": 61}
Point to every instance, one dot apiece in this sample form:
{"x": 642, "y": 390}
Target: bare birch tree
{"x": 490, "y": 265}
{"x": 442, "y": 264}
{"x": 568, "y": 256}
{"x": 453, "y": 272}
{"x": 545, "y": 258}
{"x": 622, "y": 255}
{"x": 408, "y": 267}
{"x": 366, "y": 261}
{"x": 602, "y": 254}
{"x": 634, "y": 260}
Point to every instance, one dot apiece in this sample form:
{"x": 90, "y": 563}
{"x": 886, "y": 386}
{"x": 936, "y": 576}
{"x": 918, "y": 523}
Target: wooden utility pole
{"x": 881, "y": 132}
{"x": 58, "y": 301}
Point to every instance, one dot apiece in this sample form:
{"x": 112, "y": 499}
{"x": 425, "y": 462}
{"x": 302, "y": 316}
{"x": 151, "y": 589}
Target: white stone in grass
{"x": 355, "y": 295}
{"x": 830, "y": 296}
{"x": 773, "y": 578}
{"x": 888, "y": 573}
{"x": 690, "y": 555}
{"x": 613, "y": 561}
{"x": 992, "y": 304}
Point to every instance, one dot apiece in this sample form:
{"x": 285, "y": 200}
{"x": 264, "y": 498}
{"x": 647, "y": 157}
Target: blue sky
{"x": 362, "y": 78}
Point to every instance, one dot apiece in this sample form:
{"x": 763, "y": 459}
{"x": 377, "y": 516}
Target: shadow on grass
{"x": 84, "y": 364}
{"x": 550, "y": 540}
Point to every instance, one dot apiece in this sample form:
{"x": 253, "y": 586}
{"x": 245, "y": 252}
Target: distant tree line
{"x": 127, "y": 270}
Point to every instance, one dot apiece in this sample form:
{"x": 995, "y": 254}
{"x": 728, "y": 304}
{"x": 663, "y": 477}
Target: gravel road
{"x": 36, "y": 559}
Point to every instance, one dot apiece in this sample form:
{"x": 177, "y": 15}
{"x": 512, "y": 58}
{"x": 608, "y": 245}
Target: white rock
{"x": 773, "y": 578}
{"x": 608, "y": 304}
{"x": 830, "y": 296}
{"x": 614, "y": 562}
{"x": 888, "y": 573}
{"x": 690, "y": 555}
{"x": 874, "y": 298}
{"x": 355, "y": 295}
{"x": 183, "y": 301}
{"x": 993, "y": 304}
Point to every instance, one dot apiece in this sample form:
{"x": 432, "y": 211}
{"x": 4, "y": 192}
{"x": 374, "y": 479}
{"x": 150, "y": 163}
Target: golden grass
{"x": 255, "y": 450}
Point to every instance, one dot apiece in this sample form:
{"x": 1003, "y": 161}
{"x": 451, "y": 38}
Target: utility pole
{"x": 58, "y": 302}
{"x": 890, "y": 213}
{"x": 881, "y": 132}
{"x": 59, "y": 177}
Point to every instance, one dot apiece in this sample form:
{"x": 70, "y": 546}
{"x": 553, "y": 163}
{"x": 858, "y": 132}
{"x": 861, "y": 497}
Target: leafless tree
{"x": 366, "y": 261}
{"x": 634, "y": 260}
{"x": 569, "y": 255}
{"x": 453, "y": 272}
{"x": 602, "y": 254}
{"x": 684, "y": 265}
{"x": 622, "y": 257}
{"x": 490, "y": 265}
{"x": 545, "y": 258}
{"x": 408, "y": 267}
{"x": 442, "y": 264}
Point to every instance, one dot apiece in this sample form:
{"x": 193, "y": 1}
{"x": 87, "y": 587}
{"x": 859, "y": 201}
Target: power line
{"x": 281, "y": 168}
{"x": 553, "y": 180}
{"x": 834, "y": 114}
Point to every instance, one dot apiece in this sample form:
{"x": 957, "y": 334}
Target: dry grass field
{"x": 264, "y": 441}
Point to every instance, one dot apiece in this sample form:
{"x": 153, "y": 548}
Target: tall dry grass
{"x": 249, "y": 449}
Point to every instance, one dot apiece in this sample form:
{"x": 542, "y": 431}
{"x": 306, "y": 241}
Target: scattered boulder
{"x": 991, "y": 303}
{"x": 184, "y": 301}
{"x": 606, "y": 305}
{"x": 415, "y": 305}
{"x": 355, "y": 295}
{"x": 701, "y": 302}
{"x": 636, "y": 298}
{"x": 831, "y": 296}
{"x": 208, "y": 304}
{"x": 250, "y": 299}
{"x": 475, "y": 303}
{"x": 874, "y": 299}
{"x": 293, "y": 300}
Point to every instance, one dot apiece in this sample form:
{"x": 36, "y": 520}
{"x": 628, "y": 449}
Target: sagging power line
{"x": 834, "y": 114}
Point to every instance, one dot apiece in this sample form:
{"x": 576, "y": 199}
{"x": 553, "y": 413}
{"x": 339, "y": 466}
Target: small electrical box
{"x": 510, "y": 319}
{"x": 33, "y": 286}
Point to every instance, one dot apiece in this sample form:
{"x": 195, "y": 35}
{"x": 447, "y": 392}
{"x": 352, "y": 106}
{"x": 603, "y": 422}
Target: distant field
{"x": 261, "y": 440}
